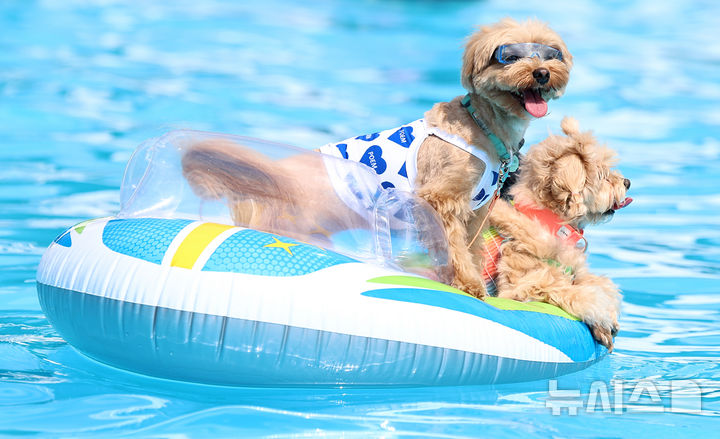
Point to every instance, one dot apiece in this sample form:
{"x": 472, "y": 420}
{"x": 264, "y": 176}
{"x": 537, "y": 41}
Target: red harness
{"x": 555, "y": 225}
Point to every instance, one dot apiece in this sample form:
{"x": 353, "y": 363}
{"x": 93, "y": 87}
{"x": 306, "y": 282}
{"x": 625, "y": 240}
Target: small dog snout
{"x": 541, "y": 75}
{"x": 626, "y": 182}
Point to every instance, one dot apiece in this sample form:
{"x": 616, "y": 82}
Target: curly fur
{"x": 572, "y": 176}
{"x": 446, "y": 175}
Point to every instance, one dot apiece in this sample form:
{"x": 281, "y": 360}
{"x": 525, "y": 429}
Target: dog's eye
{"x": 512, "y": 58}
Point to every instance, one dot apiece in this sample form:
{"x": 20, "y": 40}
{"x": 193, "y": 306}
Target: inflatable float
{"x": 171, "y": 287}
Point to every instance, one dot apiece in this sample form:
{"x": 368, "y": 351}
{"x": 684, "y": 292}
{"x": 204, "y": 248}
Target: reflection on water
{"x": 82, "y": 83}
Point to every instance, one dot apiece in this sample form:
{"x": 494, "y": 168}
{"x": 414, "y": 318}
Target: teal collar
{"x": 509, "y": 160}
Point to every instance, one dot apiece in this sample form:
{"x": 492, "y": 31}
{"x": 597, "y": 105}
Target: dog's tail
{"x": 248, "y": 180}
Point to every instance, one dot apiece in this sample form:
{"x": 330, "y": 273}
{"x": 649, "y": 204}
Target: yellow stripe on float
{"x": 194, "y": 244}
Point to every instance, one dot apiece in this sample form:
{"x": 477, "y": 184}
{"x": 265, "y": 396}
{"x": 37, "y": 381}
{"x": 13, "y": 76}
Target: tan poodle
{"x": 455, "y": 158}
{"x": 565, "y": 183}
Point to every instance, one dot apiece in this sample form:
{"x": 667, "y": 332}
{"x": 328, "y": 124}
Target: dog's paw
{"x": 598, "y": 306}
{"x": 600, "y": 312}
{"x": 604, "y": 328}
{"x": 474, "y": 289}
{"x": 604, "y": 335}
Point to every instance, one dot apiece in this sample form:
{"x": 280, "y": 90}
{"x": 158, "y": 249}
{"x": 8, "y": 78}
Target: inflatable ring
{"x": 212, "y": 303}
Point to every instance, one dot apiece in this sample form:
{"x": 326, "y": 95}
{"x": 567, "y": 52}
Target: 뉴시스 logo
{"x": 642, "y": 396}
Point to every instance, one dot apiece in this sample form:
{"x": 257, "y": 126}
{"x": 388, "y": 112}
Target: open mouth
{"x": 622, "y": 204}
{"x": 533, "y": 102}
{"x": 617, "y": 206}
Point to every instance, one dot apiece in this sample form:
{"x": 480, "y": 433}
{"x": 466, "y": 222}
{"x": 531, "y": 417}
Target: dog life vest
{"x": 392, "y": 154}
{"x": 492, "y": 241}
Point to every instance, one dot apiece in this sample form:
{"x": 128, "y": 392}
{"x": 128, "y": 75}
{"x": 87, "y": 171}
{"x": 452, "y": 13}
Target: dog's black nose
{"x": 626, "y": 182}
{"x": 541, "y": 75}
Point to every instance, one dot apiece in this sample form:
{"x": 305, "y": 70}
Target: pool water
{"x": 83, "y": 82}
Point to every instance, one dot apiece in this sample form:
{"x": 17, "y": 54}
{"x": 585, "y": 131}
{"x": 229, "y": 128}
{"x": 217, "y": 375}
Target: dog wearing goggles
{"x": 457, "y": 154}
{"x": 565, "y": 183}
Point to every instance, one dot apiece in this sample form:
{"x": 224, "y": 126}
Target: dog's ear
{"x": 568, "y": 182}
{"x": 479, "y": 50}
{"x": 575, "y": 206}
{"x": 475, "y": 58}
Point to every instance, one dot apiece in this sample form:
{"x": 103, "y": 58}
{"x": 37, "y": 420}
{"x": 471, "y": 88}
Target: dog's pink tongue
{"x": 624, "y": 203}
{"x": 534, "y": 103}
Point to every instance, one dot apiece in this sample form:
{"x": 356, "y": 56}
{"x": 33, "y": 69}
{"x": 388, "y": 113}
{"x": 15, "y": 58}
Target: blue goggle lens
{"x": 510, "y": 53}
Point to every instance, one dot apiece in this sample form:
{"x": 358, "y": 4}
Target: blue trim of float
{"x": 571, "y": 337}
{"x": 64, "y": 239}
{"x": 220, "y": 350}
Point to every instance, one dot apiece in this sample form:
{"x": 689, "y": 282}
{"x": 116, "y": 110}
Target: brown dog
{"x": 510, "y": 71}
{"x": 565, "y": 183}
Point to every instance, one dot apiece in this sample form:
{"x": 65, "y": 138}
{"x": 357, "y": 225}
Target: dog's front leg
{"x": 598, "y": 306}
{"x": 593, "y": 299}
{"x": 467, "y": 271}
{"x": 442, "y": 180}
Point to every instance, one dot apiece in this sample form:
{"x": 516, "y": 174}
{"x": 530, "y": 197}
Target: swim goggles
{"x": 509, "y": 53}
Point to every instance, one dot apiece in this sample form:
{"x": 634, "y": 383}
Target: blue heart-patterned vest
{"x": 392, "y": 154}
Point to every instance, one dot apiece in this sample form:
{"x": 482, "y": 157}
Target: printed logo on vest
{"x": 403, "y": 137}
{"x": 387, "y": 185}
{"x": 368, "y": 137}
{"x": 373, "y": 158}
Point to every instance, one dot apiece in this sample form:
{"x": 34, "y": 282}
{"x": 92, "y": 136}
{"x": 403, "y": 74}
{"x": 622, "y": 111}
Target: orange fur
{"x": 572, "y": 176}
{"x": 446, "y": 175}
